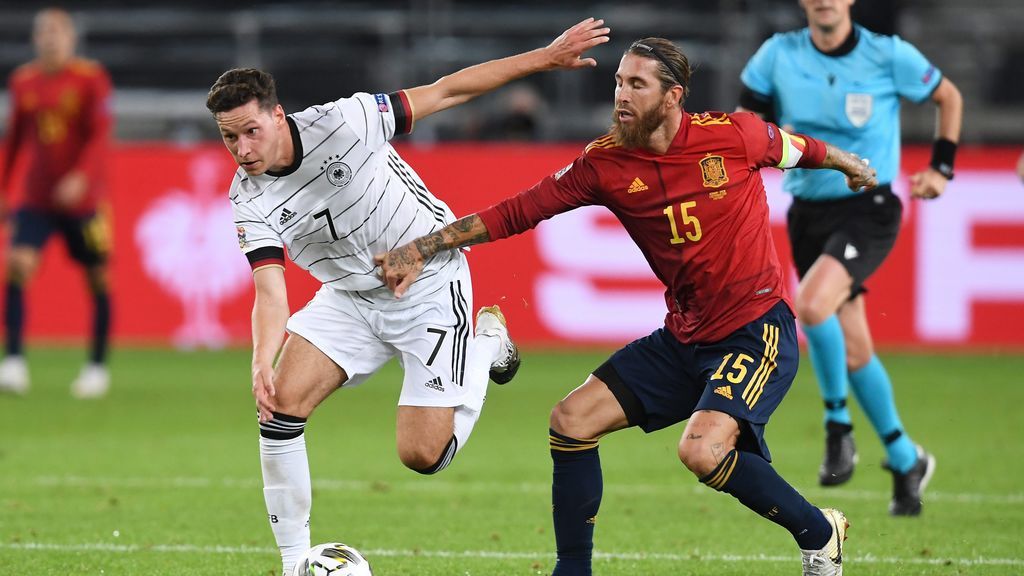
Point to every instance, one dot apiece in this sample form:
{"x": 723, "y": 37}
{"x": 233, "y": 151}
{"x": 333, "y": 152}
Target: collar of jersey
{"x": 297, "y": 158}
{"x": 846, "y": 47}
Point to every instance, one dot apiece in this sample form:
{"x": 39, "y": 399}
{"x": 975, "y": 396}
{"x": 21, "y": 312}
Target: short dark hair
{"x": 238, "y": 87}
{"x": 673, "y": 66}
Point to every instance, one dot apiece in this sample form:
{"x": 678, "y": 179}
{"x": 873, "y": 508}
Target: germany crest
{"x": 712, "y": 169}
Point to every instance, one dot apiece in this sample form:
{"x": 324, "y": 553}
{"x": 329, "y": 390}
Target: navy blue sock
{"x": 14, "y": 318}
{"x": 751, "y": 479}
{"x": 576, "y": 487}
{"x": 100, "y": 327}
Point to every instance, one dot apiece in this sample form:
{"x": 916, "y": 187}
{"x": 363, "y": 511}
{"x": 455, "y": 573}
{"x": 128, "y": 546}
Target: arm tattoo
{"x": 466, "y": 232}
{"x": 840, "y": 160}
{"x": 463, "y": 232}
{"x": 692, "y": 436}
{"x": 718, "y": 451}
{"x": 465, "y": 225}
{"x": 430, "y": 244}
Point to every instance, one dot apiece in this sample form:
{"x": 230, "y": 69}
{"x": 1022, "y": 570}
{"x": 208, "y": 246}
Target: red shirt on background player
{"x": 60, "y": 121}
{"x": 688, "y": 191}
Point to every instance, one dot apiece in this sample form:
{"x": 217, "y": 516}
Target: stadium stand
{"x": 163, "y": 55}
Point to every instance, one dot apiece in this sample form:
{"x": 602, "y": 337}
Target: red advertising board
{"x": 955, "y": 278}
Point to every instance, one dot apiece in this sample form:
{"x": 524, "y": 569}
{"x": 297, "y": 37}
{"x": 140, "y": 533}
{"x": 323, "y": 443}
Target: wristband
{"x": 943, "y": 154}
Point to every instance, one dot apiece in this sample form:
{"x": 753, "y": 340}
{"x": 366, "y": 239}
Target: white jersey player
{"x": 346, "y": 196}
{"x": 326, "y": 187}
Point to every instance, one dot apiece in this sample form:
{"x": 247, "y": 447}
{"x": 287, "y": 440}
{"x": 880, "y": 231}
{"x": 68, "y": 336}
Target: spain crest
{"x": 712, "y": 169}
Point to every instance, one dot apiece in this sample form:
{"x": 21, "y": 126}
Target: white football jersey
{"x": 347, "y": 197}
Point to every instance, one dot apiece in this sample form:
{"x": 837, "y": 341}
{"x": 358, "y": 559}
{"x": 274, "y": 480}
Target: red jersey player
{"x": 60, "y": 119}
{"x": 687, "y": 188}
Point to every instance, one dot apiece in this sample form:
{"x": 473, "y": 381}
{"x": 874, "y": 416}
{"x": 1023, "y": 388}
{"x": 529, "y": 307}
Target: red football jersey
{"x": 62, "y": 120}
{"x": 698, "y": 213}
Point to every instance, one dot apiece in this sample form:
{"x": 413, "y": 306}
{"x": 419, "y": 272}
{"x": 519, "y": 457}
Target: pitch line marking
{"x": 693, "y": 556}
{"x": 506, "y": 487}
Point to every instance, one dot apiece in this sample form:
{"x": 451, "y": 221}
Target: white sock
{"x": 488, "y": 347}
{"x": 483, "y": 351}
{"x": 465, "y": 420}
{"x": 287, "y": 492}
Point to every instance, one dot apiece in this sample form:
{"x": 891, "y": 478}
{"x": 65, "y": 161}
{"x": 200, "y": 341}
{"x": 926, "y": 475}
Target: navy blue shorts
{"x": 86, "y": 237}
{"x": 660, "y": 381}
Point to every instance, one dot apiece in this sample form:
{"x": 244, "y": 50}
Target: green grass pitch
{"x": 162, "y": 478}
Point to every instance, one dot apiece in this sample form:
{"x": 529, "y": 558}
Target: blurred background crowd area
{"x": 164, "y": 55}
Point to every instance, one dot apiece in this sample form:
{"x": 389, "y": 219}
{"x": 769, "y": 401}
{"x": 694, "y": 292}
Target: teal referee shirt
{"x": 849, "y": 98}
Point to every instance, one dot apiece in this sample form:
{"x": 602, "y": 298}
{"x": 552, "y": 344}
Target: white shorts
{"x": 431, "y": 338}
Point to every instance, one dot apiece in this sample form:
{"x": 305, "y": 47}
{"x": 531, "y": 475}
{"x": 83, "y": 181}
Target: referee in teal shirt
{"x": 839, "y": 82}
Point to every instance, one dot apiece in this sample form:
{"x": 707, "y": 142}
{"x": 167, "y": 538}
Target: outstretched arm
{"x": 803, "y": 151}
{"x": 400, "y": 267}
{"x": 468, "y": 83}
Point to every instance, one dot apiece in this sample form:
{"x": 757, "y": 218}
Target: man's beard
{"x": 637, "y": 134}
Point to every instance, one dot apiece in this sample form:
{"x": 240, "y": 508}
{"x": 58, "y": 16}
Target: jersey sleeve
{"x": 15, "y": 132}
{"x": 915, "y": 77}
{"x": 571, "y": 187}
{"x": 257, "y": 240}
{"x": 770, "y": 146}
{"x": 98, "y": 122}
{"x": 757, "y": 74}
{"x": 377, "y": 118}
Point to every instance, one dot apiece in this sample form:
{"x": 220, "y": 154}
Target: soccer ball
{"x": 332, "y": 559}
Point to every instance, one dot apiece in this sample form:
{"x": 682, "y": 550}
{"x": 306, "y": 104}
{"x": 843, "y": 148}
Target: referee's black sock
{"x": 751, "y": 479}
{"x": 576, "y": 487}
{"x": 14, "y": 317}
{"x": 100, "y": 327}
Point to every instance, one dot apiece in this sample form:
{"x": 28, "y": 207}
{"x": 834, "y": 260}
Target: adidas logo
{"x": 637, "y": 186}
{"x": 286, "y": 215}
{"x": 724, "y": 391}
{"x": 851, "y": 252}
{"x": 435, "y": 383}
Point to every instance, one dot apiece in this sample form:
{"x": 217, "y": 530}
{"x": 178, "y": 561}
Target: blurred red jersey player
{"x": 60, "y": 121}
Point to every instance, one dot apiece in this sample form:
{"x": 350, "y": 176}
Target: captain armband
{"x": 793, "y": 148}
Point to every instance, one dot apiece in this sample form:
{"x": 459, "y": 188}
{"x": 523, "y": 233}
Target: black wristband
{"x": 943, "y": 155}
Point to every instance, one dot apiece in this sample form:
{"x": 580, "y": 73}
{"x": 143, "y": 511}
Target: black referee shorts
{"x": 859, "y": 231}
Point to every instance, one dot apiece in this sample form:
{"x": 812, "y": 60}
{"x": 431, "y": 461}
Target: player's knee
{"x": 290, "y": 401}
{"x": 426, "y": 458}
{"x": 699, "y": 456}
{"x": 20, "y": 266}
{"x": 857, "y": 358}
{"x": 569, "y": 421}
{"x": 811, "y": 311}
{"x": 289, "y": 405}
{"x": 417, "y": 457}
{"x": 857, "y": 355}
